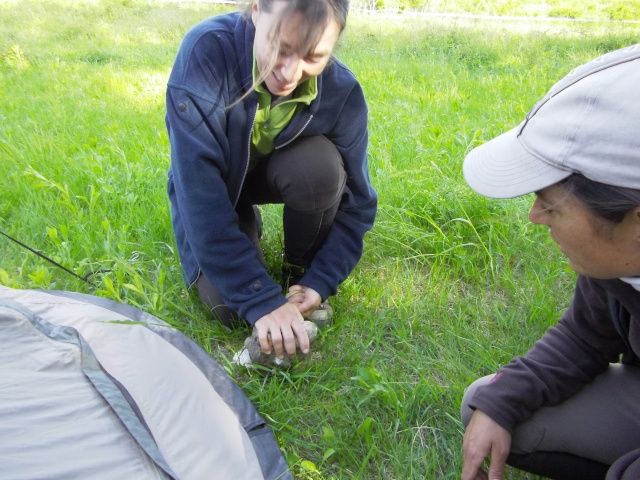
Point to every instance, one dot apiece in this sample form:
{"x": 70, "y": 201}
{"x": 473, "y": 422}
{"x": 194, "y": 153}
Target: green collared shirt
{"x": 275, "y": 114}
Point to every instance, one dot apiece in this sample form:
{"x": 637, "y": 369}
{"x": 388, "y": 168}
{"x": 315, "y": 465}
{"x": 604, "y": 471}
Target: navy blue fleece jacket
{"x": 209, "y": 131}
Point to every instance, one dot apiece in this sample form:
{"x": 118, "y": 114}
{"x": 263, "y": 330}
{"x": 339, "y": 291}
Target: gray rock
{"x": 251, "y": 352}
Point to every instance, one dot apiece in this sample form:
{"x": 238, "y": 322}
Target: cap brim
{"x": 502, "y": 168}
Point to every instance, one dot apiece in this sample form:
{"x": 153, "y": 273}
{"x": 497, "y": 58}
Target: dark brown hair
{"x": 606, "y": 202}
{"x": 317, "y": 15}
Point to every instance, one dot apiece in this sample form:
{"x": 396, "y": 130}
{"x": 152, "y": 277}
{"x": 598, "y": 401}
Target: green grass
{"x": 451, "y": 284}
{"x": 626, "y": 10}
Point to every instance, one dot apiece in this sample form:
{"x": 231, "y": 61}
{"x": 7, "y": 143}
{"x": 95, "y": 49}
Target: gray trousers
{"x": 308, "y": 177}
{"x": 599, "y": 424}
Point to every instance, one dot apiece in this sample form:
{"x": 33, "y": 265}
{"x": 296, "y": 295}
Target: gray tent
{"x": 95, "y": 389}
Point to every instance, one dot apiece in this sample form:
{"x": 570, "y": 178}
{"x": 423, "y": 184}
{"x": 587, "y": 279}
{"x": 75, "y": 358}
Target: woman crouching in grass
{"x": 570, "y": 408}
{"x": 260, "y": 112}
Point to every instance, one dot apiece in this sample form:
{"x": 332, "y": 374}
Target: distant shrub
{"x": 563, "y": 12}
{"x": 412, "y": 5}
{"x": 623, "y": 11}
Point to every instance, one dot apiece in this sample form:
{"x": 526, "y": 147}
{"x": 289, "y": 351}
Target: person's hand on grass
{"x": 484, "y": 438}
{"x": 280, "y": 329}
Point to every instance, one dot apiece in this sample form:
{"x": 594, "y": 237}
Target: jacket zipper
{"x": 297, "y": 134}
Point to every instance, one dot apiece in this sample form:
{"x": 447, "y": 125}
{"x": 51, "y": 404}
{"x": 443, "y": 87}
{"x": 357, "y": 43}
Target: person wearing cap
{"x": 570, "y": 407}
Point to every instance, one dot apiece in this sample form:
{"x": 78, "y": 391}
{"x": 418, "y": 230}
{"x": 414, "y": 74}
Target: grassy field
{"x": 451, "y": 284}
{"x": 574, "y": 9}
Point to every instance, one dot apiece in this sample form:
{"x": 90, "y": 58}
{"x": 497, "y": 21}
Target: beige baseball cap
{"x": 588, "y": 123}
